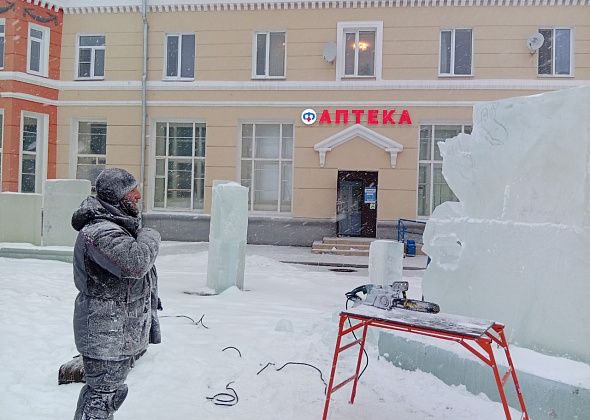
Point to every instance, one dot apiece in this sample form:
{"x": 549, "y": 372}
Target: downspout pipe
{"x": 143, "y": 101}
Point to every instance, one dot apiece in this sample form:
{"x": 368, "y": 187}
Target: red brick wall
{"x": 12, "y": 101}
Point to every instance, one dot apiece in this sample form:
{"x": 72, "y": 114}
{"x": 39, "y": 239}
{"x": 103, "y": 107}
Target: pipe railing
{"x": 402, "y": 228}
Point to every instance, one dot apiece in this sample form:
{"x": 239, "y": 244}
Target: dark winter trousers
{"x": 104, "y": 391}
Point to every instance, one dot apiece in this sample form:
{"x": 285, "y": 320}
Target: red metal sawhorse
{"x": 469, "y": 332}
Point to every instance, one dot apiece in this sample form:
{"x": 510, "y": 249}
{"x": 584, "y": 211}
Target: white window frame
{"x": 179, "y": 62}
{"x": 152, "y": 187}
{"x": 3, "y": 37}
{"x": 92, "y": 57}
{"x": 452, "y": 64}
{"x": 1, "y": 145}
{"x": 267, "y": 58}
{"x": 431, "y": 162}
{"x": 343, "y": 27}
{"x": 44, "y": 53}
{"x": 40, "y": 152}
{"x": 572, "y": 54}
{"x": 74, "y": 146}
{"x": 280, "y": 159}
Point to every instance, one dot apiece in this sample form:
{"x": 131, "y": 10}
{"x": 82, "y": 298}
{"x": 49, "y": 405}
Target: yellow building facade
{"x": 328, "y": 111}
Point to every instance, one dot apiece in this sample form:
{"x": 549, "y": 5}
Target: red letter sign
{"x": 388, "y": 117}
{"x": 372, "y": 116}
{"x": 405, "y": 117}
{"x": 358, "y": 113}
{"x": 342, "y": 113}
{"x": 325, "y": 118}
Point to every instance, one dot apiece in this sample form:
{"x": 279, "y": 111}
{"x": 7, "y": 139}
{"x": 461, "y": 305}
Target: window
{"x": 30, "y": 142}
{"x": 38, "y": 50}
{"x": 92, "y": 150}
{"x": 555, "y": 55}
{"x": 180, "y": 56}
{"x": 267, "y": 166}
{"x": 456, "y": 52}
{"x": 432, "y": 187}
{"x": 180, "y": 165}
{"x": 359, "y": 49}
{"x": 2, "y": 32}
{"x": 91, "y": 51}
{"x": 270, "y": 54}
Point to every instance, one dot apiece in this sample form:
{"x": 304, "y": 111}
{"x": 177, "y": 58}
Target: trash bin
{"x": 411, "y": 248}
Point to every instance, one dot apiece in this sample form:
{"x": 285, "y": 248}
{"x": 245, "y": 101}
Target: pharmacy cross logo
{"x": 308, "y": 116}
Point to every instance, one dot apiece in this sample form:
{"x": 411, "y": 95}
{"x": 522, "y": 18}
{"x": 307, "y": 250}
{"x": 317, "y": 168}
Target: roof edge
{"x": 46, "y": 4}
{"x": 134, "y": 6}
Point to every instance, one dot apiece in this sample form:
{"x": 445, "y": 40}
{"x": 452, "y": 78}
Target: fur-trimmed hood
{"x": 94, "y": 209}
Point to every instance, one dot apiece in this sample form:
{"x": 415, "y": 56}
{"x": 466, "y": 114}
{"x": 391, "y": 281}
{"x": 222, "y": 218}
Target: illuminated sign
{"x": 308, "y": 116}
{"x": 357, "y": 116}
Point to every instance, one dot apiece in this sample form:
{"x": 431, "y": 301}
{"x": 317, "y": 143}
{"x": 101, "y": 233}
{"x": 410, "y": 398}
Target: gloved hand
{"x": 155, "y": 334}
{"x": 151, "y": 233}
{"x": 160, "y": 308}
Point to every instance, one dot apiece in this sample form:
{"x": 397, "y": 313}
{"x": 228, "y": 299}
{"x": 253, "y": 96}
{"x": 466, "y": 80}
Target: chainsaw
{"x": 389, "y": 297}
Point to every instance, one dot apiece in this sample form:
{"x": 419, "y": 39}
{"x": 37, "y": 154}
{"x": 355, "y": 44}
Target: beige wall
{"x": 314, "y": 187}
{"x": 410, "y": 38}
{"x": 224, "y": 54}
{"x": 124, "y": 43}
{"x": 123, "y": 133}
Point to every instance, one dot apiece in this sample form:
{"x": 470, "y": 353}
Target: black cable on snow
{"x": 235, "y": 348}
{"x": 200, "y": 321}
{"x": 265, "y": 366}
{"x": 177, "y": 316}
{"x": 307, "y": 364}
{"x": 300, "y": 364}
{"x": 225, "y": 398}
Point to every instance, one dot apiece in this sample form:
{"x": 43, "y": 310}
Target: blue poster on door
{"x": 370, "y": 195}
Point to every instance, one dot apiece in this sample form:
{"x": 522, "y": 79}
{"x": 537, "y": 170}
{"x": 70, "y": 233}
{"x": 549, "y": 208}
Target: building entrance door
{"x": 356, "y": 205}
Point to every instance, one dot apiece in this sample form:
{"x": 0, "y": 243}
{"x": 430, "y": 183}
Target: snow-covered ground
{"x": 174, "y": 378}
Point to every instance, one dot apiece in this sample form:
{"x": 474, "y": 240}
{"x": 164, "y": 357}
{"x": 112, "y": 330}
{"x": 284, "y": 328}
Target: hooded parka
{"x": 115, "y": 274}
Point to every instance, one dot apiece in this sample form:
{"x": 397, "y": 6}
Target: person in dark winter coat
{"x": 115, "y": 312}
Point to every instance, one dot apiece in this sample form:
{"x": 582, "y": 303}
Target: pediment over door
{"x": 388, "y": 145}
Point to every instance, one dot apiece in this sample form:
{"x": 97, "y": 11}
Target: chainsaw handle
{"x": 353, "y": 294}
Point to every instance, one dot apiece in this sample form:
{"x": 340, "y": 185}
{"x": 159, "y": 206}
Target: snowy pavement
{"x": 288, "y": 313}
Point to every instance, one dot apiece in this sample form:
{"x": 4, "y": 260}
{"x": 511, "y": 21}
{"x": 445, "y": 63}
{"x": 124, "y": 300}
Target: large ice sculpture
{"x": 385, "y": 262}
{"x": 516, "y": 248}
{"x": 227, "y": 236}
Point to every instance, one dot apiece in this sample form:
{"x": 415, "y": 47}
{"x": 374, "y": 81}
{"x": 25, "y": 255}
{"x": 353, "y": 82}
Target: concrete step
{"x": 39, "y": 253}
{"x": 349, "y": 252}
{"x": 348, "y": 241}
{"x": 329, "y": 246}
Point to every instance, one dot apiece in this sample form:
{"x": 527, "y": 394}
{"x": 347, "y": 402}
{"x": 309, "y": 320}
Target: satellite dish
{"x": 329, "y": 52}
{"x": 534, "y": 42}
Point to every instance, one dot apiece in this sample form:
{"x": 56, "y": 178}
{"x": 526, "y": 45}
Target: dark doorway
{"x": 356, "y": 205}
